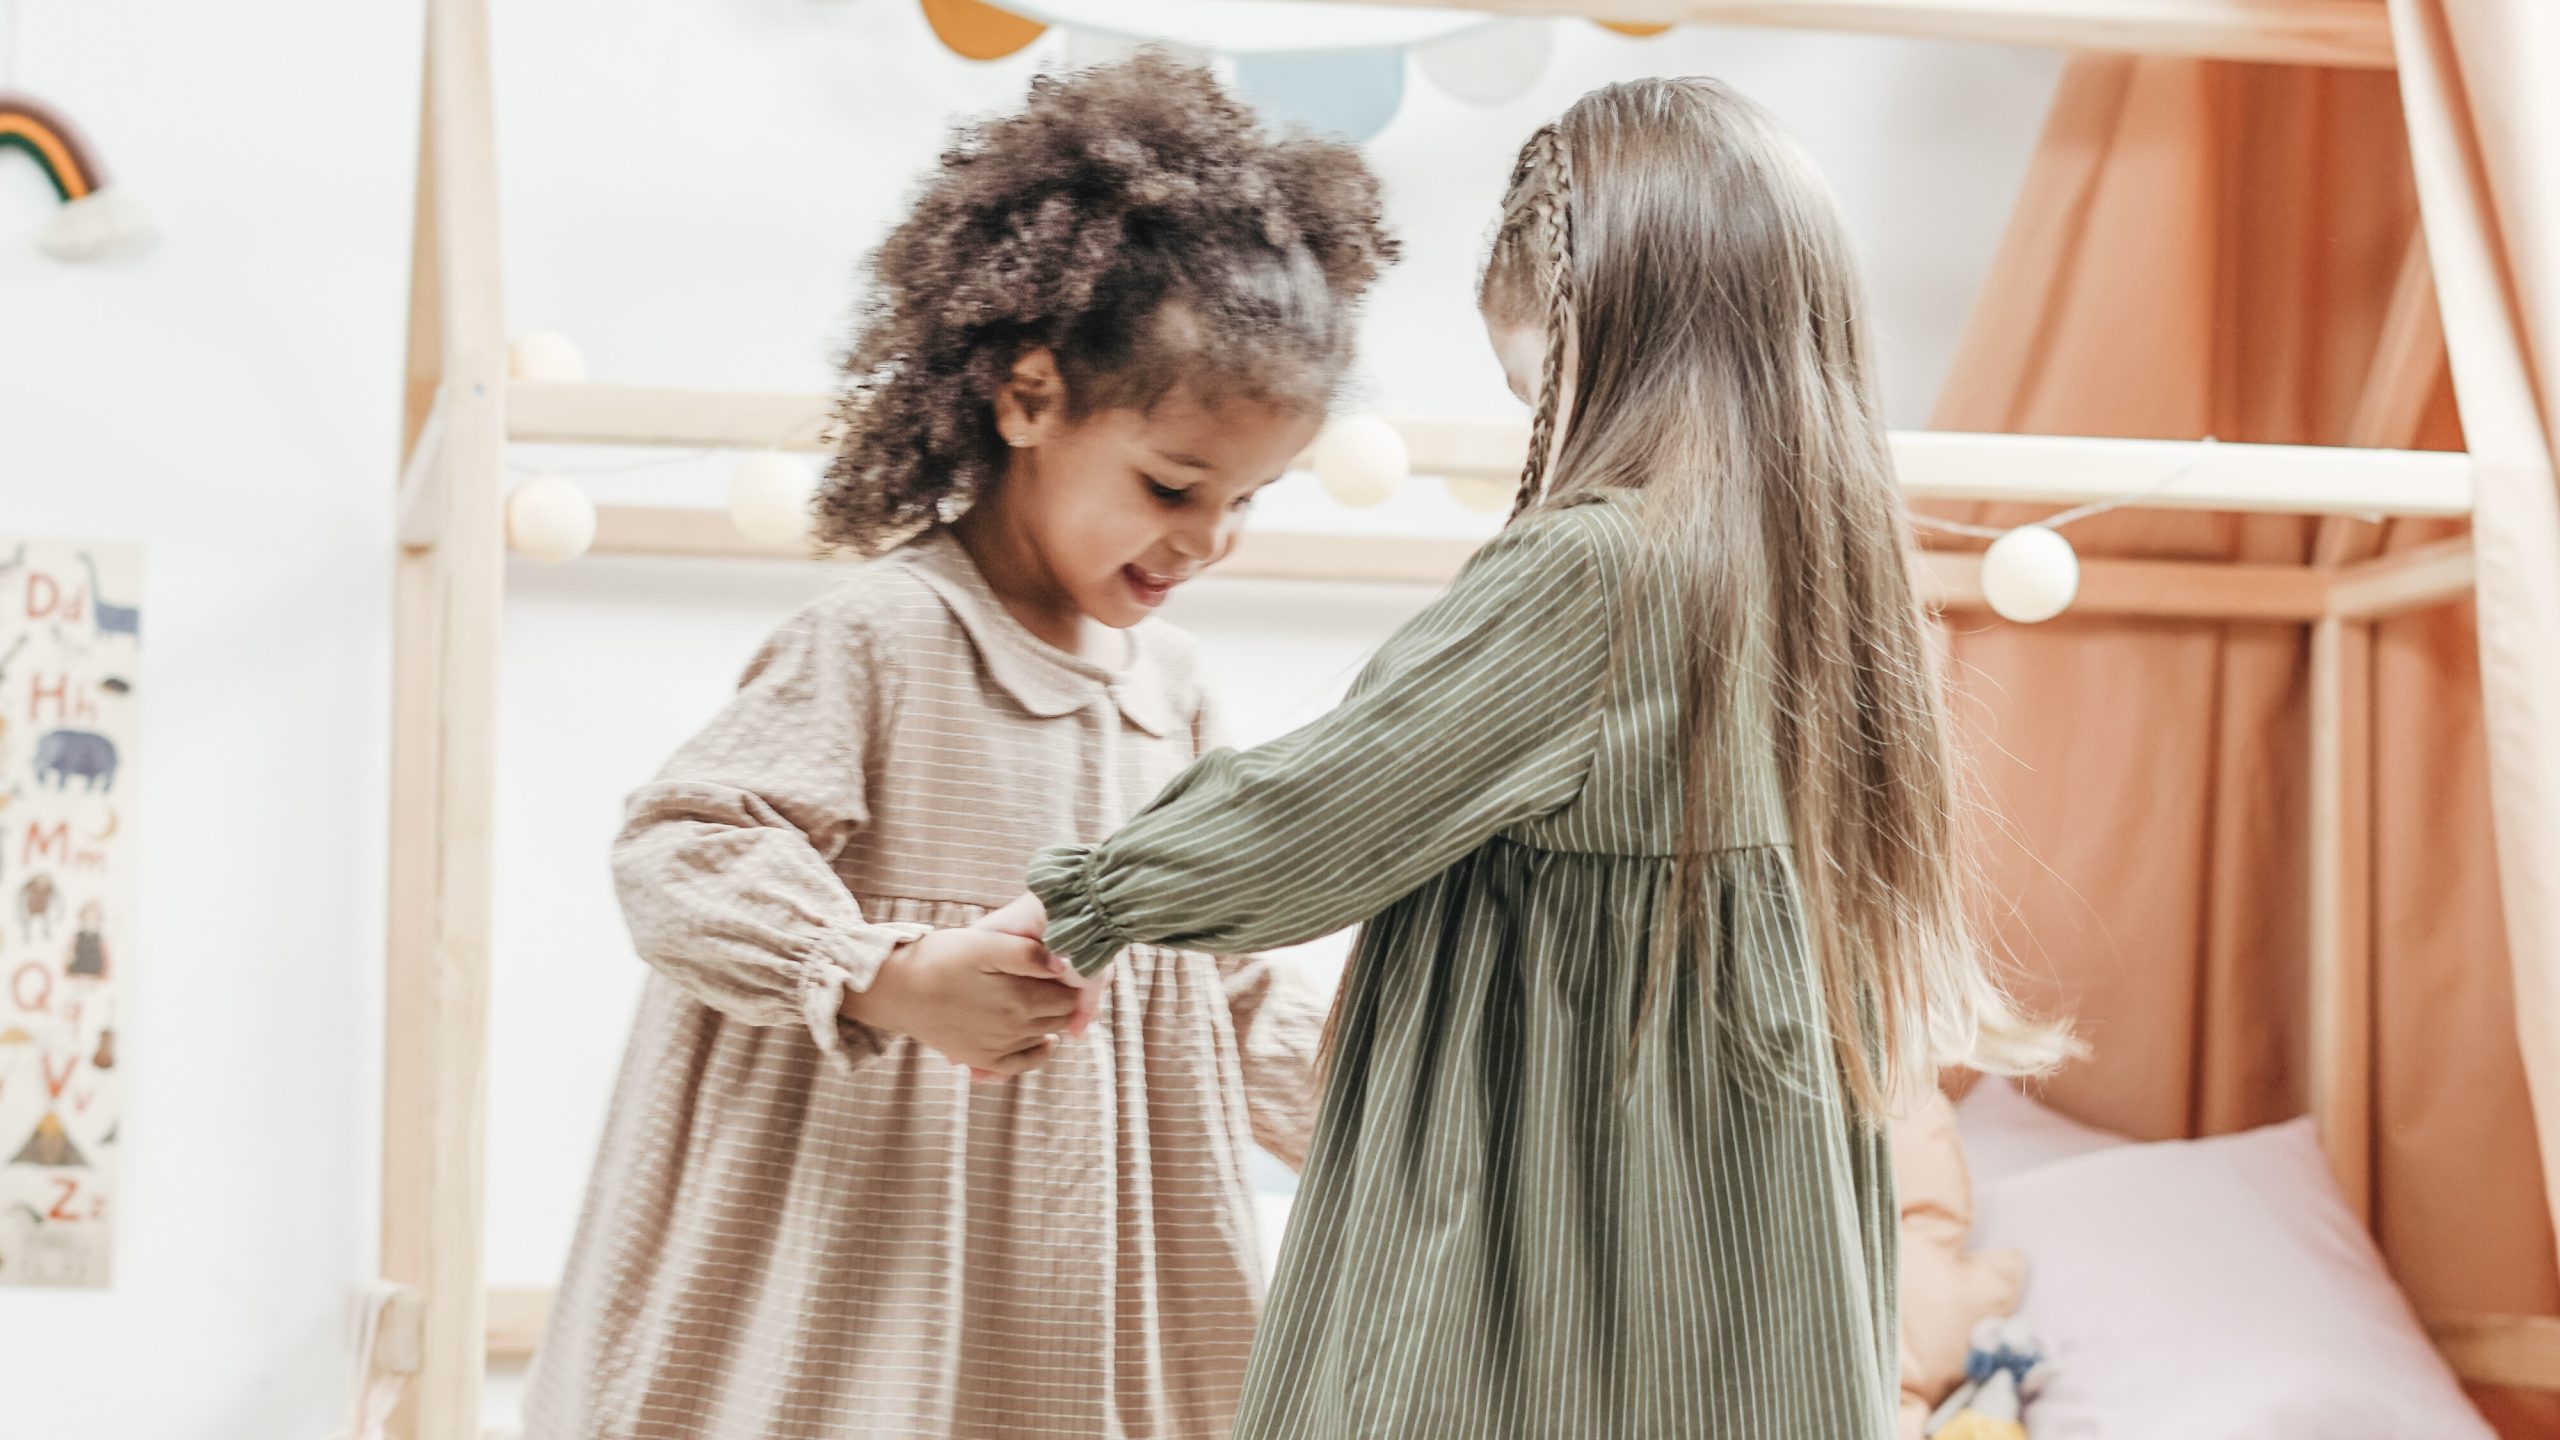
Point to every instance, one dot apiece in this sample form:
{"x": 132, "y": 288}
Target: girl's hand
{"x": 1026, "y": 916}
{"x": 1089, "y": 992}
{"x": 988, "y": 1000}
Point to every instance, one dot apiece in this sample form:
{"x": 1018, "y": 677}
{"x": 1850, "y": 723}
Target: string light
{"x": 769, "y": 496}
{"x": 550, "y": 520}
{"x": 1361, "y": 460}
{"x": 2030, "y": 573}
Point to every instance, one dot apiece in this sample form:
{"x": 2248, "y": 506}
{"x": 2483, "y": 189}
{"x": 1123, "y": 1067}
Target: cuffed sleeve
{"x": 1478, "y": 715}
{"x": 725, "y": 863}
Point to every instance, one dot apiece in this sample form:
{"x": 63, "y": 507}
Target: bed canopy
{"x": 2298, "y": 735}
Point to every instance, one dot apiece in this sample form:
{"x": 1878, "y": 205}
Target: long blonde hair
{"x": 1705, "y": 345}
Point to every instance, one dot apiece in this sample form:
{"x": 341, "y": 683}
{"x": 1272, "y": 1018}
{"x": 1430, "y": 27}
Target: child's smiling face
{"x": 1122, "y": 505}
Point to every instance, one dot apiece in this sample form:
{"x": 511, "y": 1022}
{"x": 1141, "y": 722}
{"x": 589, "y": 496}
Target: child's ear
{"x": 1032, "y": 402}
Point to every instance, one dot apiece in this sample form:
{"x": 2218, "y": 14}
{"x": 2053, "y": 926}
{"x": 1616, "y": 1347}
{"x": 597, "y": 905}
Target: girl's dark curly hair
{"x": 1137, "y": 222}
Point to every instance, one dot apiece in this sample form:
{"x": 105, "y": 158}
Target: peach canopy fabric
{"x": 2211, "y": 249}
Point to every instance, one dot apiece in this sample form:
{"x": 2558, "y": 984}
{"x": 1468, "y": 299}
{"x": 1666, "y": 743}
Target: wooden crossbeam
{"x": 2182, "y": 474}
{"x": 2349, "y": 33}
{"x": 2157, "y": 589}
{"x": 2522, "y": 1351}
{"x": 2412, "y": 580}
{"x": 581, "y": 413}
{"x": 2160, "y": 588}
{"x": 516, "y": 1318}
{"x": 2058, "y": 470}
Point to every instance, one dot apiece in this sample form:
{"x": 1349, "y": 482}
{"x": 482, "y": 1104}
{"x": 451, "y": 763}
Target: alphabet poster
{"x": 70, "y": 676}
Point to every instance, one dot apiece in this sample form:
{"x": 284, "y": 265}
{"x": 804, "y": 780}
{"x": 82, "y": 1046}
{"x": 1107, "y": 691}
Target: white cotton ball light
{"x": 1360, "y": 460}
{"x": 1485, "y": 497}
{"x": 2030, "y": 575}
{"x": 769, "y": 496}
{"x": 550, "y": 519}
{"x": 545, "y": 355}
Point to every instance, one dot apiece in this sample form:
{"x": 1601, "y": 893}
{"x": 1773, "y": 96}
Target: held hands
{"x": 1024, "y": 916}
{"x": 994, "y": 1001}
{"x": 989, "y": 996}
{"x": 1027, "y": 918}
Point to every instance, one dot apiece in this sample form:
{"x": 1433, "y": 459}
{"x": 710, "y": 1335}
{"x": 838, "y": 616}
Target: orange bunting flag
{"x": 979, "y": 31}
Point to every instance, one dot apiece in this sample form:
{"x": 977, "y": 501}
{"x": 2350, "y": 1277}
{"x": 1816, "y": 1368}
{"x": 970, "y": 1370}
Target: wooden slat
{"x": 2517, "y": 1350}
{"x": 423, "y": 369}
{"x": 421, "y": 504}
{"x": 403, "y": 1327}
{"x": 410, "y": 901}
{"x": 516, "y": 1318}
{"x": 583, "y": 413}
{"x": 682, "y": 533}
{"x": 444, "y": 749}
{"x": 2341, "y": 955}
{"x": 2350, "y": 33}
{"x": 2409, "y": 580}
{"x": 1933, "y": 465}
{"x": 2160, "y": 588}
{"x": 2408, "y": 361}
{"x": 2276, "y": 479}
{"x": 408, "y": 1038}
{"x": 679, "y": 532}
{"x": 1374, "y": 559}
{"x": 2408, "y": 356}
{"x": 1493, "y": 449}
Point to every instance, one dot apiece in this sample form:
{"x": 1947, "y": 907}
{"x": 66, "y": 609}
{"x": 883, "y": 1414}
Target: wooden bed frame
{"x": 462, "y": 412}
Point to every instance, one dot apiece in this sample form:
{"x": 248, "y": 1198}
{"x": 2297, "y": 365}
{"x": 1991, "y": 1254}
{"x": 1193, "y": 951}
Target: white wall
{"x": 687, "y": 189}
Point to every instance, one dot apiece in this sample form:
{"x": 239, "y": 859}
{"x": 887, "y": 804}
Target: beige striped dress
{"x": 1515, "y": 1220}
{"x": 802, "y": 1230}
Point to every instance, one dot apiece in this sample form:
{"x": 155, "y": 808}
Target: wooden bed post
{"x": 450, "y": 578}
{"x": 2341, "y": 969}
{"x": 2491, "y": 380}
{"x": 2408, "y": 361}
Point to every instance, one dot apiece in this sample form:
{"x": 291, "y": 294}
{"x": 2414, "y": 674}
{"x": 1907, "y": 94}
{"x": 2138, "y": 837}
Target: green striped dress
{"x": 1521, "y": 1216}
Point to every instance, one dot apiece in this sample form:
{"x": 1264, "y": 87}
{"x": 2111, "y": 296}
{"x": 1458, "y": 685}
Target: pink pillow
{"x": 1947, "y": 1288}
{"x": 2007, "y": 1133}
{"x": 2217, "y": 1290}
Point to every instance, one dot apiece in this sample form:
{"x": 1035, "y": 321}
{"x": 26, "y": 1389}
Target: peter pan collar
{"x": 1041, "y": 678}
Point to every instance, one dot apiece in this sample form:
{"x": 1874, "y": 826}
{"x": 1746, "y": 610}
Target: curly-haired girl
{"x": 1110, "y": 318}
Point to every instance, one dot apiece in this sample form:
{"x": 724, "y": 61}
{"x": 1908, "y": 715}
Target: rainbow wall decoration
{"x": 95, "y": 220}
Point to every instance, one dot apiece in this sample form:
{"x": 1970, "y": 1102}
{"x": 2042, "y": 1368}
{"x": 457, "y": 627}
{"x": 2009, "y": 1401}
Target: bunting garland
{"x": 1351, "y": 83}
